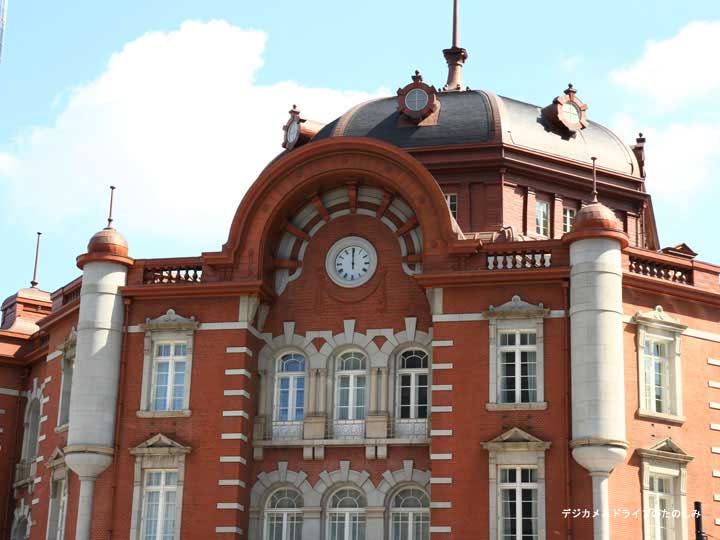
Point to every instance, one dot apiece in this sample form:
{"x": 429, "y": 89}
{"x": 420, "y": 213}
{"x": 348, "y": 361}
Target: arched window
{"x": 351, "y": 384}
{"x": 410, "y": 515}
{"x": 20, "y": 530}
{"x": 346, "y": 515}
{"x": 413, "y": 385}
{"x": 32, "y": 430}
{"x": 283, "y": 516}
{"x": 290, "y": 388}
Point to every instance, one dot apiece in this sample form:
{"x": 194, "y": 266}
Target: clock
{"x": 293, "y": 131}
{"x": 351, "y": 261}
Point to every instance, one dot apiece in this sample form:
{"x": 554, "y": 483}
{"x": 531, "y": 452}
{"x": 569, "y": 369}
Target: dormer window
{"x": 571, "y": 112}
{"x": 567, "y": 112}
{"x": 417, "y": 100}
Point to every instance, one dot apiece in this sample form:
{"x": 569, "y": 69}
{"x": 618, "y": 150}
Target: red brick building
{"x": 422, "y": 325}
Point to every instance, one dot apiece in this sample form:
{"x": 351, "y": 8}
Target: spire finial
{"x": 34, "y": 281}
{"x": 455, "y": 24}
{"x": 455, "y": 56}
{"x": 110, "y": 218}
{"x": 594, "y": 191}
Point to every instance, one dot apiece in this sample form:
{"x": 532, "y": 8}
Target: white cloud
{"x": 177, "y": 122}
{"x": 571, "y": 63}
{"x": 678, "y": 69}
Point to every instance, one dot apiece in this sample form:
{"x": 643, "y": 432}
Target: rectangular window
{"x": 451, "y": 200}
{"x": 58, "y": 510}
{"x": 568, "y": 219}
{"x": 660, "y": 499}
{"x": 413, "y": 395}
{"x": 159, "y": 500}
{"x": 657, "y": 377}
{"x": 291, "y": 398}
{"x": 168, "y": 379}
{"x": 542, "y": 218}
{"x": 351, "y": 397}
{"x": 518, "y": 494}
{"x": 518, "y": 367}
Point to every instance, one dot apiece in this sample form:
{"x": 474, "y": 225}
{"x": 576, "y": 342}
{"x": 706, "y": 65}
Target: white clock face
{"x": 351, "y": 261}
{"x": 292, "y": 132}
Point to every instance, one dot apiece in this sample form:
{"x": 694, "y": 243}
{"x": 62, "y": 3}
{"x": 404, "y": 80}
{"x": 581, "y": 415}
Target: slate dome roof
{"x": 477, "y": 117}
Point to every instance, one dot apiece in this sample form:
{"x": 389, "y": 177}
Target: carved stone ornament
{"x": 417, "y": 100}
{"x": 517, "y": 308}
{"x": 658, "y": 318}
{"x": 666, "y": 449}
{"x": 567, "y": 111}
{"x": 516, "y": 439}
{"x": 170, "y": 321}
{"x": 159, "y": 445}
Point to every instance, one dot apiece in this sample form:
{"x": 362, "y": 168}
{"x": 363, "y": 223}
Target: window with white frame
{"x": 659, "y": 365}
{"x": 159, "y": 500}
{"x": 517, "y": 486}
{"x": 516, "y": 355}
{"x": 568, "y": 218}
{"x": 283, "y": 515}
{"x": 20, "y": 529}
{"x": 68, "y": 367}
{"x": 168, "y": 379}
{"x": 410, "y": 515}
{"x": 351, "y": 385}
{"x": 542, "y": 218}
{"x": 413, "y": 381}
{"x": 664, "y": 484}
{"x": 517, "y": 489}
{"x": 58, "y": 508}
{"x": 167, "y": 367}
{"x": 290, "y": 388}
{"x": 32, "y": 431}
{"x": 451, "y": 200}
{"x": 346, "y": 515}
{"x": 158, "y": 489}
{"x": 517, "y": 350}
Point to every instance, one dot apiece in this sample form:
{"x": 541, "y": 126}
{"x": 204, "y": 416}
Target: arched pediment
{"x": 299, "y": 180}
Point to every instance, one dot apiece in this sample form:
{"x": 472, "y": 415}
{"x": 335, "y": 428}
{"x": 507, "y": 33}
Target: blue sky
{"x": 131, "y": 93}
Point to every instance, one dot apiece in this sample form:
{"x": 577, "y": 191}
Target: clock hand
{"x": 353, "y": 258}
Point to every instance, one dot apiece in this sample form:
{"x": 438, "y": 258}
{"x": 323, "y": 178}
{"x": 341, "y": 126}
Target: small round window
{"x": 416, "y": 99}
{"x": 571, "y": 112}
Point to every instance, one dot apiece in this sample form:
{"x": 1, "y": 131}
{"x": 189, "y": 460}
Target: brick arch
{"x": 286, "y": 185}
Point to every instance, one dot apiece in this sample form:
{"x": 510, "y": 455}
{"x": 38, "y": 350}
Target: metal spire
{"x": 110, "y": 218}
{"x": 455, "y": 57}
{"x": 594, "y": 191}
{"x": 3, "y": 18}
{"x": 34, "y": 281}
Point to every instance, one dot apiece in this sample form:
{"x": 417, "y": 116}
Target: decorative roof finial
{"x": 34, "y": 281}
{"x": 594, "y": 191}
{"x": 110, "y": 218}
{"x": 455, "y": 57}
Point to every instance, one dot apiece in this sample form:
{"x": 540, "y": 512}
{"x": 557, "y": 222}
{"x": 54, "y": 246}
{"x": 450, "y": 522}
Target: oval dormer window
{"x": 416, "y": 99}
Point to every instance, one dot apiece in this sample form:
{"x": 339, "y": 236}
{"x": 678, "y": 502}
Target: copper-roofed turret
{"x": 107, "y": 244}
{"x": 596, "y": 219}
{"x": 455, "y": 57}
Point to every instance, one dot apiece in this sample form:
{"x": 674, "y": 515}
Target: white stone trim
{"x": 53, "y": 355}
{"x": 239, "y": 350}
{"x": 659, "y": 326}
{"x": 441, "y": 432}
{"x": 231, "y": 482}
{"x": 441, "y": 480}
{"x": 716, "y": 473}
{"x": 440, "y": 529}
{"x": 240, "y": 413}
{"x": 441, "y": 409}
{"x": 233, "y": 437}
{"x": 9, "y": 392}
{"x": 714, "y": 384}
{"x": 715, "y": 449}
{"x": 229, "y": 506}
{"x": 441, "y": 457}
{"x": 714, "y": 405}
{"x": 243, "y": 372}
{"x": 440, "y": 504}
{"x": 233, "y": 459}
{"x": 690, "y": 332}
{"x": 441, "y": 366}
{"x": 715, "y": 427}
{"x": 158, "y": 452}
{"x": 713, "y": 362}
{"x": 518, "y": 448}
{"x": 441, "y": 387}
{"x": 239, "y": 393}
{"x": 231, "y": 529}
{"x": 442, "y": 343}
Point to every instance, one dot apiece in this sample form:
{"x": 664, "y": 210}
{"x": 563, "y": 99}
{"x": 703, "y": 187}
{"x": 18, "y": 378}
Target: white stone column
{"x": 262, "y": 392}
{"x": 372, "y": 391}
{"x": 85, "y": 506}
{"x": 322, "y": 384}
{"x": 311, "y": 392}
{"x": 383, "y": 391}
{"x": 601, "y": 522}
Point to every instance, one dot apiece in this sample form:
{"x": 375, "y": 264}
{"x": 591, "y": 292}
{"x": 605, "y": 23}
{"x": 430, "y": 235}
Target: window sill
{"x": 536, "y": 406}
{"x": 164, "y": 414}
{"x": 663, "y": 417}
{"x": 63, "y": 428}
{"x": 424, "y": 441}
